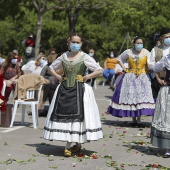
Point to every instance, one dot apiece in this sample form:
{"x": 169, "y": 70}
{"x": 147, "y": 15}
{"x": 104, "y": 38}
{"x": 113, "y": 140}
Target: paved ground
{"x": 123, "y": 147}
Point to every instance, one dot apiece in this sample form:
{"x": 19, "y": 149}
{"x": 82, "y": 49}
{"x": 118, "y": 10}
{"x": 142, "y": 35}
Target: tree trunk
{"x": 38, "y": 35}
{"x": 72, "y": 18}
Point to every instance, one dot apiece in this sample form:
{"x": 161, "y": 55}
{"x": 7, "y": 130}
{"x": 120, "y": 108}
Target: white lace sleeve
{"x": 151, "y": 59}
{"x": 124, "y": 56}
{"x": 118, "y": 68}
{"x": 57, "y": 64}
{"x": 91, "y": 63}
{"x": 159, "y": 66}
{"x": 167, "y": 61}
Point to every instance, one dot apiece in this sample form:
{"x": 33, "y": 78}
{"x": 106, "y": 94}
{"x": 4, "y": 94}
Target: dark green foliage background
{"x": 103, "y": 29}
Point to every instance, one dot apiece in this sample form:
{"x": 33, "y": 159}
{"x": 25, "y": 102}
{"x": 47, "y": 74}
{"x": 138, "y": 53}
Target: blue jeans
{"x": 108, "y": 74}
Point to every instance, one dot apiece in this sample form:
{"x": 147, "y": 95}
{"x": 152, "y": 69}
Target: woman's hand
{"x": 13, "y": 80}
{"x": 162, "y": 82}
{"x": 85, "y": 78}
{"x": 47, "y": 81}
{"x": 8, "y": 83}
{"x": 59, "y": 78}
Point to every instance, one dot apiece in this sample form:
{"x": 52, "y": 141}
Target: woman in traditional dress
{"x": 133, "y": 95}
{"x": 73, "y": 115}
{"x": 160, "y": 129}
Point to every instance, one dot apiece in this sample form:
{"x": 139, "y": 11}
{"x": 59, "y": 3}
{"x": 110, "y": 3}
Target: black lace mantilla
{"x": 73, "y": 132}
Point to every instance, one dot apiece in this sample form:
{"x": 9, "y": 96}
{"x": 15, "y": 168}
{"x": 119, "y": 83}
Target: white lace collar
{"x": 77, "y": 60}
{"x": 134, "y": 54}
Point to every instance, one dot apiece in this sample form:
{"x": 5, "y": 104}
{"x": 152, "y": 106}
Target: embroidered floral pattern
{"x": 139, "y": 90}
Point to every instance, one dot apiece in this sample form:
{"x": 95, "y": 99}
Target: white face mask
{"x": 111, "y": 55}
{"x": 14, "y": 61}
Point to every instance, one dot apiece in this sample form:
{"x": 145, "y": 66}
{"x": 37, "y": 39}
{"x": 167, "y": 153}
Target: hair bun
{"x": 135, "y": 39}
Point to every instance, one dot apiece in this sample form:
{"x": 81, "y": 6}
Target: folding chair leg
{"x": 33, "y": 115}
{"x": 36, "y": 114}
{"x": 23, "y": 114}
{"x": 14, "y": 113}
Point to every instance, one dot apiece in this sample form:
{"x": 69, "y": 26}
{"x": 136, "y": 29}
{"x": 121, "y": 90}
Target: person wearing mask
{"x": 35, "y": 66}
{"x": 109, "y": 66}
{"x": 160, "y": 129}
{"x": 73, "y": 115}
{"x": 30, "y": 48}
{"x": 155, "y": 55}
{"x": 19, "y": 58}
{"x": 157, "y": 43}
{"x": 53, "y": 52}
{"x": 133, "y": 95}
{"x": 11, "y": 73}
{"x": 45, "y": 72}
{"x": 48, "y": 89}
{"x": 3, "y": 101}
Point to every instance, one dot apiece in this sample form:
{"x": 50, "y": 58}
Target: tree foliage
{"x": 103, "y": 24}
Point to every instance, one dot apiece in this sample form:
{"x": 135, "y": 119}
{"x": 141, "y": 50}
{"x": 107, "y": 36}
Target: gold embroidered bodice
{"x": 137, "y": 65}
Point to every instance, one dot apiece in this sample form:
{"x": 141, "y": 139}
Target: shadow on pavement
{"x": 125, "y": 124}
{"x": 55, "y": 150}
{"x": 18, "y": 123}
{"x": 109, "y": 97}
{"x": 147, "y": 150}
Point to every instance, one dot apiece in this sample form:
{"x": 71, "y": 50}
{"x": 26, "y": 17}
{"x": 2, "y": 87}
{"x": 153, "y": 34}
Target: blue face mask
{"x": 75, "y": 47}
{"x": 42, "y": 61}
{"x": 91, "y": 54}
{"x": 167, "y": 41}
{"x": 138, "y": 47}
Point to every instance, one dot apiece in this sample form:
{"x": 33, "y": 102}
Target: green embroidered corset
{"x": 72, "y": 69}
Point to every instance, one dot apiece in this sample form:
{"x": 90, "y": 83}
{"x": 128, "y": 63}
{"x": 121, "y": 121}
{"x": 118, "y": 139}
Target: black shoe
{"x": 107, "y": 82}
{"x": 29, "y": 113}
{"x": 39, "y": 112}
{"x": 133, "y": 124}
{"x": 140, "y": 125}
{"x": 43, "y": 113}
{"x": 112, "y": 88}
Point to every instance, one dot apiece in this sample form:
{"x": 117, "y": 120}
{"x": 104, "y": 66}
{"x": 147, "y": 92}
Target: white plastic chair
{"x": 34, "y": 108}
